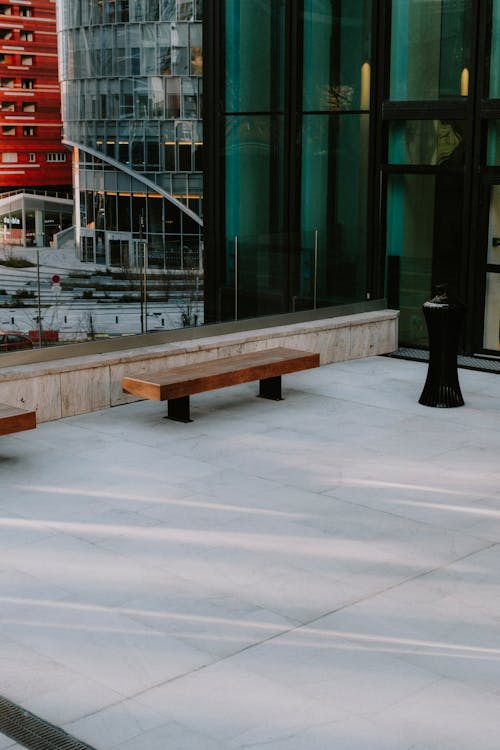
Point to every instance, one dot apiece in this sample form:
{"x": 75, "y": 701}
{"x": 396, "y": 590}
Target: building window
{"x": 185, "y": 10}
{"x": 25, "y": 12}
{"x": 7, "y": 83}
{"x": 31, "y": 157}
{"x": 5, "y": 33}
{"x": 29, "y": 130}
{"x": 430, "y": 49}
{"x": 9, "y": 157}
{"x": 26, "y": 59}
{"x": 185, "y": 157}
{"x": 169, "y": 152}
{"x": 28, "y": 83}
{"x": 56, "y": 156}
{"x": 8, "y": 107}
{"x": 8, "y": 130}
{"x": 29, "y": 107}
{"x": 26, "y": 36}
{"x": 5, "y": 10}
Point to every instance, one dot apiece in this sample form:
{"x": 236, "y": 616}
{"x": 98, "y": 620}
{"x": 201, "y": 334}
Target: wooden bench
{"x": 13, "y": 419}
{"x": 177, "y": 384}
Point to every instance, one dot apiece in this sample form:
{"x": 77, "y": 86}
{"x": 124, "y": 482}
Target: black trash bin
{"x": 445, "y": 320}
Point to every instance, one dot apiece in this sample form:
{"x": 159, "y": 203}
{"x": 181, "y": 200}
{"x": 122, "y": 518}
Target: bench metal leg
{"x": 271, "y": 388}
{"x": 178, "y": 409}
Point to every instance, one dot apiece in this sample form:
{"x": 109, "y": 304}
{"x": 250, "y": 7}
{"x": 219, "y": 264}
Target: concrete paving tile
{"x": 231, "y": 701}
{"x": 107, "y": 647}
{"x": 220, "y": 624}
{"x": 49, "y": 687}
{"x": 336, "y": 670}
{"x": 115, "y": 725}
{"x": 317, "y": 573}
{"x": 172, "y": 735}
{"x": 441, "y": 717}
{"x": 356, "y": 733}
{"x": 7, "y": 744}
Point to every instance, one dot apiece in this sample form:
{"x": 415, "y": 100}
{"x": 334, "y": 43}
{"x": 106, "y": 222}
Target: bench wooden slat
{"x": 186, "y": 380}
{"x": 13, "y": 419}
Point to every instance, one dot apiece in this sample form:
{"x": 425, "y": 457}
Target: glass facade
{"x": 353, "y": 149}
{"x": 295, "y": 127}
{"x": 132, "y": 95}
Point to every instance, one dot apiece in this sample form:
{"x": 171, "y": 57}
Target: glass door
{"x": 491, "y": 328}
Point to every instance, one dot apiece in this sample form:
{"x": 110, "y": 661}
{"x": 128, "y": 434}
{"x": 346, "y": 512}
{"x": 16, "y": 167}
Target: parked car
{"x": 11, "y": 341}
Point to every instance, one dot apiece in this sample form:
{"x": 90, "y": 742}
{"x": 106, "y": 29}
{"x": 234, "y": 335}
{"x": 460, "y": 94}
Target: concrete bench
{"x": 177, "y": 384}
{"x": 13, "y": 419}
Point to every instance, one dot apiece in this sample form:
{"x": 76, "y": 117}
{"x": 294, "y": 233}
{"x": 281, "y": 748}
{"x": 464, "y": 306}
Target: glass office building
{"x": 353, "y": 154}
{"x": 352, "y": 150}
{"x": 131, "y": 77}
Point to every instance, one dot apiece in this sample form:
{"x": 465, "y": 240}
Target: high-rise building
{"x": 131, "y": 77}
{"x": 31, "y": 152}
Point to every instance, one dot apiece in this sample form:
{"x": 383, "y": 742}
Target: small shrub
{"x": 23, "y": 294}
{"x": 17, "y": 263}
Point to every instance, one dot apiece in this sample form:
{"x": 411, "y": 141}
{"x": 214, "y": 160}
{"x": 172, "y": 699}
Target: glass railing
{"x": 49, "y": 297}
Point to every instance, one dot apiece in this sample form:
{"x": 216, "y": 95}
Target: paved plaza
{"x": 320, "y": 573}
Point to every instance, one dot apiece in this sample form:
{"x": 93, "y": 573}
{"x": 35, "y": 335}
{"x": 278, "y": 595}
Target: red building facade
{"x": 31, "y": 152}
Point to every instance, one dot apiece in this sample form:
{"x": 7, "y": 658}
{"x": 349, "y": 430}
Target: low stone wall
{"x": 66, "y": 387}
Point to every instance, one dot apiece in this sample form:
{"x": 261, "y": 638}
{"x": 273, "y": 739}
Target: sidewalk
{"x": 320, "y": 573}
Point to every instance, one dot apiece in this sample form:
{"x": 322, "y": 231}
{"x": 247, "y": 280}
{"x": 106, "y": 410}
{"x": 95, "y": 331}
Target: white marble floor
{"x": 320, "y": 573}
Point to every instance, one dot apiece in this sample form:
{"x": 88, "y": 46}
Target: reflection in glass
{"x": 432, "y": 142}
{"x": 334, "y": 206}
{"x": 430, "y": 49}
{"x": 423, "y": 244}
{"x": 254, "y": 56}
{"x": 336, "y": 55}
{"x": 254, "y": 211}
{"x": 410, "y": 221}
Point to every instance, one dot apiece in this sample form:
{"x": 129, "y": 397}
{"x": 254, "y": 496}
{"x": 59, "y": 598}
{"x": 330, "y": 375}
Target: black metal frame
{"x": 213, "y": 139}
{"x": 474, "y": 111}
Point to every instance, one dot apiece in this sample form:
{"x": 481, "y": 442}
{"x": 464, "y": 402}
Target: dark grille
{"x": 34, "y": 733}
{"x": 468, "y": 363}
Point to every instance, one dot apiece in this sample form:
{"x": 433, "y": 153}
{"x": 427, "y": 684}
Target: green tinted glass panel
{"x": 254, "y": 55}
{"x": 410, "y": 222}
{"x": 432, "y": 142}
{"x": 430, "y": 49}
{"x": 336, "y": 55}
{"x": 333, "y": 213}
{"x": 424, "y": 241}
{"x": 493, "y": 149}
{"x": 254, "y": 212}
{"x": 494, "y": 87}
